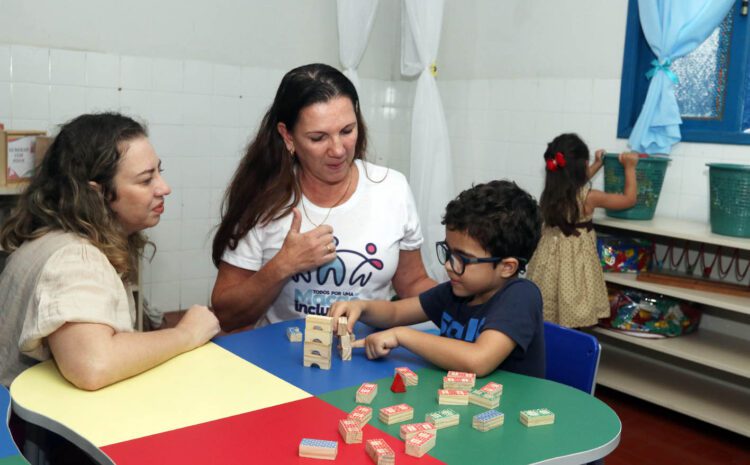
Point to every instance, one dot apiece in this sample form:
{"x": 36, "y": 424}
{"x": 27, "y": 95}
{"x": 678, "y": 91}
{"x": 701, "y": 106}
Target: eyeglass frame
{"x": 468, "y": 260}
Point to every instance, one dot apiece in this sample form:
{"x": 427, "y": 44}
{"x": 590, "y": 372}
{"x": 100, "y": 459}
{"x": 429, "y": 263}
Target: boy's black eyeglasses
{"x": 458, "y": 262}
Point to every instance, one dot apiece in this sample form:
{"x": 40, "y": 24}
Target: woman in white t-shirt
{"x": 306, "y": 220}
{"x": 75, "y": 239}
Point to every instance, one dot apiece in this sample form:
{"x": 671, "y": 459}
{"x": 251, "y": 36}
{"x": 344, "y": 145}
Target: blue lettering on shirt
{"x": 451, "y": 328}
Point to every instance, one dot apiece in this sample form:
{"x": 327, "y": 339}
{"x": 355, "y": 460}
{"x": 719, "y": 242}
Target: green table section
{"x": 511, "y": 443}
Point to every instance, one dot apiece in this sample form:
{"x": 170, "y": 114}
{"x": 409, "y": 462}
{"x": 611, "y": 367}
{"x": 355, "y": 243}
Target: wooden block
{"x": 484, "y": 399}
{"x": 464, "y": 383}
{"x": 361, "y": 414}
{"x": 318, "y": 336}
{"x": 366, "y": 393}
{"x": 453, "y": 397}
{"x": 318, "y": 449}
{"x": 323, "y": 364}
{"x": 407, "y": 431}
{"x": 350, "y": 431}
{"x": 380, "y": 452}
{"x": 319, "y": 322}
{"x": 488, "y": 420}
{"x": 346, "y": 341}
{"x": 537, "y": 417}
{"x": 345, "y": 353}
{"x": 317, "y": 349}
{"x": 294, "y": 334}
{"x": 419, "y": 444}
{"x": 443, "y": 418}
{"x": 410, "y": 378}
{"x": 342, "y": 327}
{"x": 396, "y": 414}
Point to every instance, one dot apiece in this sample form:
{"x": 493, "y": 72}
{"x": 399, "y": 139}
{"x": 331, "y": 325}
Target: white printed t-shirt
{"x": 370, "y": 229}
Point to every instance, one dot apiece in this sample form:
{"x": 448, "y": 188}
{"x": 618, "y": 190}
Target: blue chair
{"x": 572, "y": 357}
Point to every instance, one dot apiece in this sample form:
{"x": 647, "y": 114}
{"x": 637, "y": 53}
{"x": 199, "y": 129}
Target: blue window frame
{"x": 714, "y": 87}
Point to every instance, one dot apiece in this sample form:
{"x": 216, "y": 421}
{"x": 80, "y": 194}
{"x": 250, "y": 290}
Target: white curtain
{"x": 431, "y": 171}
{"x": 355, "y": 18}
{"x": 673, "y": 28}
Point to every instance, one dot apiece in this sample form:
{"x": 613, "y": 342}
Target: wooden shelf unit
{"x": 706, "y": 374}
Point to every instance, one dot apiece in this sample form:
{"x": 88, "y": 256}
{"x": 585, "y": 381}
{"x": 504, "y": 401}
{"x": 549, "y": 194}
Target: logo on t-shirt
{"x": 449, "y": 327}
{"x": 334, "y": 275}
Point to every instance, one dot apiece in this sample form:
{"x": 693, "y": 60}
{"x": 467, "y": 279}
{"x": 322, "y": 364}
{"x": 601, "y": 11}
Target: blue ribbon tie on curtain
{"x": 663, "y": 67}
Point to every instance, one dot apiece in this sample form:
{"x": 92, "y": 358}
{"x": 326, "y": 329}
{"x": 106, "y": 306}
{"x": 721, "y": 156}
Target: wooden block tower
{"x": 318, "y": 341}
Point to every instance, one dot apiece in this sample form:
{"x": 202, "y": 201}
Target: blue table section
{"x": 270, "y": 350}
{"x": 9, "y": 453}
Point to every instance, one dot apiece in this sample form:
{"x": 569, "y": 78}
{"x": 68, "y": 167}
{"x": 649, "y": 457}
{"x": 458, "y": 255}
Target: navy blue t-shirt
{"x": 515, "y": 310}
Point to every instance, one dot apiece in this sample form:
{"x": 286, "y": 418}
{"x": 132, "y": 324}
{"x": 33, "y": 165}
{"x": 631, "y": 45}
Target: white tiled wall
{"x": 200, "y": 116}
{"x": 499, "y": 129}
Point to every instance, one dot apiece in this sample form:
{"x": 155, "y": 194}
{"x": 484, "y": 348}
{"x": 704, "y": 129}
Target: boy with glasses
{"x": 489, "y": 318}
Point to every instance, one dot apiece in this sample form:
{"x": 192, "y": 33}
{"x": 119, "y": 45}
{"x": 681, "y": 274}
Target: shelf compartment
{"x": 704, "y": 347}
{"x": 722, "y": 404}
{"x": 729, "y": 302}
{"x": 675, "y": 228}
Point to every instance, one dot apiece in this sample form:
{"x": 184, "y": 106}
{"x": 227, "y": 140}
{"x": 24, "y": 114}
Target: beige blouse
{"x": 50, "y": 281}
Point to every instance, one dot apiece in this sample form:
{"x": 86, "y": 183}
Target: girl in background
{"x": 565, "y": 265}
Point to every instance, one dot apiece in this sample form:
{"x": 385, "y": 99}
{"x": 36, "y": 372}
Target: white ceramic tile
{"x": 579, "y": 123}
{"x": 695, "y": 176}
{"x": 165, "y": 296}
{"x": 195, "y": 264}
{"x": 694, "y": 208}
{"x": 603, "y": 130}
{"x": 31, "y": 124}
{"x": 227, "y": 80}
{"x": 66, "y": 102}
{"x": 524, "y": 94}
{"x": 196, "y": 203}
{"x": 195, "y": 292}
{"x": 457, "y": 121}
{"x": 4, "y": 63}
{"x": 252, "y": 110}
{"x": 102, "y": 70}
{"x": 578, "y": 95}
{"x": 168, "y": 75}
{"x": 30, "y": 101}
{"x": 166, "y": 139}
{"x": 173, "y": 206}
{"x": 166, "y": 236}
{"x": 548, "y": 126}
{"x": 673, "y": 176}
{"x": 225, "y": 142}
{"x": 478, "y": 94}
{"x": 67, "y": 67}
{"x": 99, "y": 99}
{"x": 253, "y": 82}
{"x": 196, "y": 141}
{"x": 136, "y": 72}
{"x": 196, "y": 109}
{"x": 171, "y": 170}
{"x": 222, "y": 170}
{"x": 198, "y": 77}
{"x": 5, "y": 100}
{"x": 5, "y": 121}
{"x": 137, "y": 103}
{"x": 196, "y": 233}
{"x": 225, "y": 111}
{"x": 454, "y": 94}
{"x": 500, "y": 91}
{"x": 166, "y": 108}
{"x": 606, "y": 96}
{"x": 214, "y": 207}
{"x": 165, "y": 266}
{"x": 551, "y": 94}
{"x": 522, "y": 126}
{"x": 30, "y": 64}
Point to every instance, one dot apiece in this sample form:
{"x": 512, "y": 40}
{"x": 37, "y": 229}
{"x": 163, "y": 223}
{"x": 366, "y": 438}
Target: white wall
{"x": 512, "y": 74}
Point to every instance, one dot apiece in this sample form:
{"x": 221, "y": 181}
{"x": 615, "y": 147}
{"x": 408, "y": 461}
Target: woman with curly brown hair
{"x": 75, "y": 240}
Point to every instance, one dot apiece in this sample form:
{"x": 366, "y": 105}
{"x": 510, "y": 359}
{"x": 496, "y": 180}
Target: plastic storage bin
{"x": 729, "y": 186}
{"x": 650, "y": 176}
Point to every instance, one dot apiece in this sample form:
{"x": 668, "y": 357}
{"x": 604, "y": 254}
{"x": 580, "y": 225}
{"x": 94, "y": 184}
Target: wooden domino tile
{"x": 380, "y": 452}
{"x": 318, "y": 449}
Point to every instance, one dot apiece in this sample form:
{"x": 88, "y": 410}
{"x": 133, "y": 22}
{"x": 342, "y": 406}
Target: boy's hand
{"x": 629, "y": 159}
{"x": 351, "y": 309}
{"x": 378, "y": 344}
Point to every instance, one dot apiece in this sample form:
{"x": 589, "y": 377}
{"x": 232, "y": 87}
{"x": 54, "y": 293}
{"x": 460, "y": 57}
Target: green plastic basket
{"x": 730, "y": 199}
{"x": 650, "y": 176}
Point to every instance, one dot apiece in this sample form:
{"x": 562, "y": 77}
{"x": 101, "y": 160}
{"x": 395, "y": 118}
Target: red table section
{"x": 267, "y": 436}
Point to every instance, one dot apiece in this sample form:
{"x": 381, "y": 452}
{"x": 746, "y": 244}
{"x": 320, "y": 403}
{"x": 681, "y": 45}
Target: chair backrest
{"x": 572, "y": 357}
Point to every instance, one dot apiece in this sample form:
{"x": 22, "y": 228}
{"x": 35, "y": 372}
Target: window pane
{"x": 703, "y": 75}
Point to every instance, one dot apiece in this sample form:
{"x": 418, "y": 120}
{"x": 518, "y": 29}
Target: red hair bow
{"x": 557, "y": 162}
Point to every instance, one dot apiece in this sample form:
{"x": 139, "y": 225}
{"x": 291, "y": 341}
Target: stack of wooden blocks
{"x": 537, "y": 417}
{"x": 318, "y": 341}
{"x": 419, "y": 444}
{"x": 396, "y": 414}
{"x": 488, "y": 396}
{"x": 346, "y": 339}
{"x": 488, "y": 420}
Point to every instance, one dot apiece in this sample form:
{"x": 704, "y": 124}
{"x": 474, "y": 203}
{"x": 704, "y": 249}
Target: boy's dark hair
{"x": 501, "y": 216}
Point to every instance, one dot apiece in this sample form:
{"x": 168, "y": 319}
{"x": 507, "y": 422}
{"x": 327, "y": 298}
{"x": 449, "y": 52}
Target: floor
{"x": 652, "y": 435}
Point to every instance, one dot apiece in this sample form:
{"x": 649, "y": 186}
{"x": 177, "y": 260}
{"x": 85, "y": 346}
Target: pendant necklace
{"x": 332, "y": 207}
